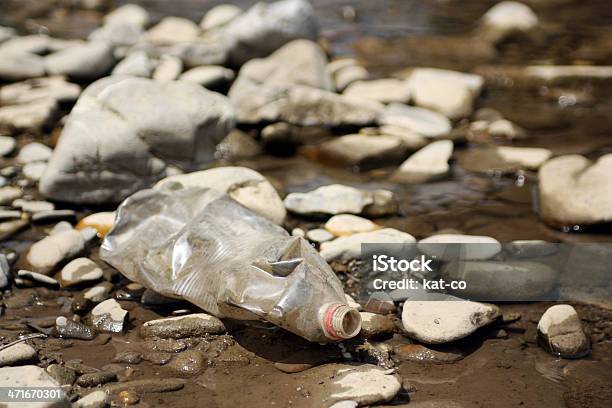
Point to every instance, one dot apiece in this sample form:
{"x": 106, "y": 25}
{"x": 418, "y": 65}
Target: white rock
{"x": 120, "y": 35}
{"x": 244, "y": 185}
{"x": 349, "y": 224}
{"x": 108, "y": 316}
{"x": 319, "y": 235}
{"x": 31, "y": 377}
{"x": 349, "y": 247}
{"x": 380, "y": 90}
{"x": 146, "y": 123}
{"x": 9, "y": 194}
{"x": 17, "y": 354}
{"x": 298, "y": 232}
{"x": 6, "y": 33}
{"x": 345, "y": 404}
{"x": 265, "y": 27}
{"x": 37, "y": 277}
{"x": 97, "y": 293}
{"x": 422, "y": 121}
{"x": 130, "y": 14}
{"x": 505, "y": 129}
{"x": 561, "y": 73}
{"x": 365, "y": 384}
{"x": 528, "y": 157}
{"x": 358, "y": 150}
{"x": 101, "y": 222}
{"x": 47, "y": 253}
{"x": 80, "y": 270}
{"x": 465, "y": 247}
{"x": 34, "y": 171}
{"x": 561, "y": 331}
{"x": 209, "y": 76}
{"x": 33, "y": 206}
{"x": 16, "y": 65}
{"x": 136, "y": 63}
{"x": 429, "y": 163}
{"x": 219, "y": 16}
{"x": 171, "y": 30}
{"x": 332, "y": 199}
{"x": 443, "y": 321}
{"x": 96, "y": 399}
{"x": 168, "y": 69}
{"x": 33, "y": 90}
{"x": 88, "y": 61}
{"x": 575, "y": 191}
{"x": 348, "y": 75}
{"x": 7, "y": 145}
{"x": 448, "y": 92}
{"x": 508, "y": 17}
{"x": 409, "y": 138}
{"x": 32, "y": 116}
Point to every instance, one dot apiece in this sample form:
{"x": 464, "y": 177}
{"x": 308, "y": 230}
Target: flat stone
{"x": 459, "y": 246}
{"x": 244, "y": 185}
{"x": 188, "y": 363}
{"x": 37, "y": 277}
{"x": 147, "y": 125}
{"x": 146, "y": 385}
{"x": 348, "y": 75}
{"x": 171, "y": 30}
{"x": 445, "y": 320}
{"x": 362, "y": 151}
{"x": 18, "y": 354}
{"x": 519, "y": 281}
{"x": 560, "y": 330}
{"x": 506, "y": 18}
{"x": 62, "y": 374}
{"x": 18, "y": 65}
{"x": 34, "y": 90}
{"x": 96, "y": 399}
{"x": 131, "y": 14}
{"x": 193, "y": 325}
{"x": 34, "y": 152}
{"x": 9, "y": 194}
{"x": 49, "y": 252}
{"x": 88, "y": 61}
{"x": 52, "y": 216}
{"x": 9, "y": 228}
{"x": 95, "y": 379}
{"x": 375, "y": 325}
{"x": 349, "y": 247}
{"x": 32, "y": 116}
{"x": 209, "y": 76}
{"x": 120, "y": 35}
{"x": 31, "y": 376}
{"x": 575, "y": 191}
{"x": 219, "y": 16}
{"x": 531, "y": 248}
{"x": 266, "y": 27}
{"x": 428, "y": 164}
{"x": 34, "y": 171}
{"x": 10, "y": 215}
{"x": 33, "y": 206}
{"x": 319, "y": 235}
{"x": 409, "y": 138}
{"x": 80, "y": 270}
{"x": 418, "y": 353}
{"x": 7, "y": 145}
{"x": 349, "y": 224}
{"x": 108, "y": 316}
{"x": 567, "y": 73}
{"x": 448, "y": 92}
{"x": 422, "y": 121}
{"x": 338, "y": 199}
{"x": 98, "y": 293}
{"x": 380, "y": 90}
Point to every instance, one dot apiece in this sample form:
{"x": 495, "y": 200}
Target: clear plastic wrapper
{"x": 200, "y": 245}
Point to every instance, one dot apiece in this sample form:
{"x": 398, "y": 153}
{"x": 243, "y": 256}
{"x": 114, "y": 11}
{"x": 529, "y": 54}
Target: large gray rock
{"x": 147, "y": 125}
{"x": 576, "y": 191}
{"x": 266, "y": 27}
{"x": 87, "y": 61}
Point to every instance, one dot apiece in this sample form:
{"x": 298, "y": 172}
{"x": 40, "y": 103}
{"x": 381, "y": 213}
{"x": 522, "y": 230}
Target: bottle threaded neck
{"x": 340, "y": 321}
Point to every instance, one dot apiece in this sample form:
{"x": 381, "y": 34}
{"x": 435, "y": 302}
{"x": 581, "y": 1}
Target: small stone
{"x": 131, "y": 14}
{"x": 10, "y": 228}
{"x": 87, "y": 61}
{"x": 209, "y": 76}
{"x": 422, "y": 121}
{"x": 136, "y": 63}
{"x": 237, "y": 145}
{"x": 108, "y": 316}
{"x": 33, "y": 206}
{"x": 375, "y": 325}
{"x": 504, "y": 129}
{"x": 575, "y": 191}
{"x": 37, "y": 277}
{"x": 409, "y": 138}
{"x": 98, "y": 293}
{"x": 428, "y": 164}
{"x": 128, "y": 357}
{"x": 349, "y": 247}
{"x": 381, "y": 90}
{"x": 43, "y": 217}
{"x": 345, "y": 404}
{"x": 531, "y": 248}
{"x": 17, "y": 355}
{"x": 34, "y": 152}
{"x": 80, "y": 270}
{"x": 157, "y": 358}
{"x": 188, "y": 363}
{"x": 96, "y": 399}
{"x": 444, "y": 318}
{"x": 128, "y": 397}
{"x": 70, "y": 329}
{"x": 420, "y": 354}
{"x": 362, "y": 151}
{"x": 449, "y": 247}
{"x": 350, "y": 74}
{"x": 62, "y": 374}
{"x": 95, "y": 379}
{"x": 34, "y": 90}
{"x": 506, "y": 18}
{"x": 193, "y": 325}
{"x": 168, "y": 69}
{"x": 31, "y": 377}
{"x": 49, "y": 252}
{"x": 9, "y": 194}
{"x": 34, "y": 171}
{"x": 319, "y": 235}
{"x": 561, "y": 332}
{"x": 172, "y": 30}
{"x": 219, "y": 16}
{"x": 7, "y": 145}
{"x": 101, "y": 222}
{"x": 349, "y": 224}
{"x": 10, "y": 215}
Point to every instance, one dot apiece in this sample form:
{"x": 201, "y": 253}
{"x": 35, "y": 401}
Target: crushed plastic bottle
{"x": 200, "y": 245}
